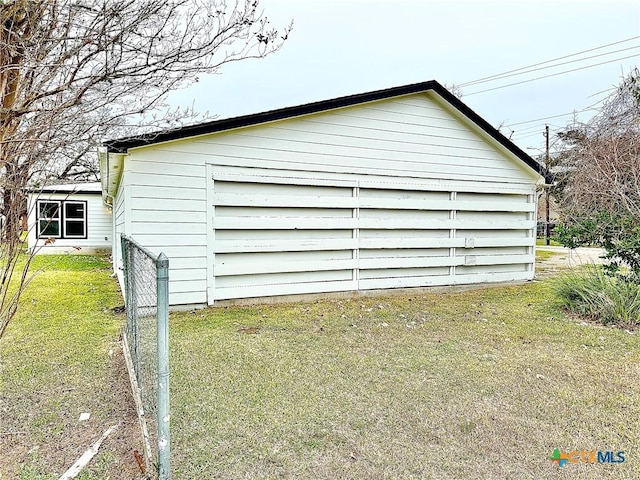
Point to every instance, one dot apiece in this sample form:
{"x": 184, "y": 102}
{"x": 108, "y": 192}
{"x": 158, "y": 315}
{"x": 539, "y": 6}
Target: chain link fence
{"x": 145, "y": 340}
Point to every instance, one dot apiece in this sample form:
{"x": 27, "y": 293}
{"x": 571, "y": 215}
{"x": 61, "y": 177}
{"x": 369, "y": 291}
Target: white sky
{"x": 343, "y": 47}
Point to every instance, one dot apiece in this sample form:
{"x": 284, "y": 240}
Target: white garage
{"x": 403, "y": 187}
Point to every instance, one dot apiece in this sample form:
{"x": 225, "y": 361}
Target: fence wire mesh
{"x": 144, "y": 332}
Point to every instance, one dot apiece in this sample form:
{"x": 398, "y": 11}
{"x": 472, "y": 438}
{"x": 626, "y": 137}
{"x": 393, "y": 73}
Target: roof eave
{"x": 111, "y": 165}
{"x": 122, "y": 145}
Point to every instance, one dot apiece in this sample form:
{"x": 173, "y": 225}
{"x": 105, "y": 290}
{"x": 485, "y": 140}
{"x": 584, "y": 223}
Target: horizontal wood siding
{"x": 369, "y": 196}
{"x": 283, "y": 238}
{"x": 412, "y": 136}
{"x": 168, "y": 214}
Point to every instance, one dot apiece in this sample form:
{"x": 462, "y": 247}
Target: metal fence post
{"x": 164, "y": 446}
{"x": 146, "y": 284}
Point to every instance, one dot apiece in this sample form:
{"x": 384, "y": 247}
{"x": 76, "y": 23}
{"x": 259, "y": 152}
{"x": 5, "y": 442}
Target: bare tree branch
{"x": 73, "y": 72}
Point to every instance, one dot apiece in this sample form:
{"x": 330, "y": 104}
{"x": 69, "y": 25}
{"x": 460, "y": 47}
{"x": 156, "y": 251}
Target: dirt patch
{"x": 43, "y": 453}
{"x": 127, "y": 438}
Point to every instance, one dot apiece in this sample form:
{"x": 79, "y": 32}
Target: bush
{"x": 593, "y": 294}
{"x": 618, "y": 234}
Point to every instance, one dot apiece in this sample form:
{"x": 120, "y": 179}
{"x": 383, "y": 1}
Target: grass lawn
{"x": 481, "y": 384}
{"x": 554, "y": 243}
{"x": 61, "y": 357}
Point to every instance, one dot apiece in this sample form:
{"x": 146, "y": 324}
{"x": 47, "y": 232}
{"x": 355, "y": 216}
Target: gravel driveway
{"x": 566, "y": 258}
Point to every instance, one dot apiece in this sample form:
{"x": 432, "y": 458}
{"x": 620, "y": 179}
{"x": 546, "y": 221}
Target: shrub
{"x": 618, "y": 234}
{"x": 593, "y": 294}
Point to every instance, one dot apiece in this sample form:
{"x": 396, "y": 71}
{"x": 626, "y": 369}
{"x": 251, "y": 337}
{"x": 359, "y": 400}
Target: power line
{"x": 607, "y": 90}
{"x": 588, "y": 108}
{"x": 535, "y": 130}
{"x": 548, "y": 61}
{"x": 548, "y": 118}
{"x": 498, "y": 77}
{"x": 550, "y": 75}
{"x": 531, "y": 135}
{"x": 525, "y": 131}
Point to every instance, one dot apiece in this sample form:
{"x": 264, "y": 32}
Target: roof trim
{"x": 122, "y": 145}
{"x": 66, "y": 192}
{"x": 90, "y": 188}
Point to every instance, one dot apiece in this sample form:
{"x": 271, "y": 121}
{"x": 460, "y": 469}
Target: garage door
{"x": 282, "y": 236}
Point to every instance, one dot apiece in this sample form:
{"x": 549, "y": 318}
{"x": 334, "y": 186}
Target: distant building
{"x": 68, "y": 218}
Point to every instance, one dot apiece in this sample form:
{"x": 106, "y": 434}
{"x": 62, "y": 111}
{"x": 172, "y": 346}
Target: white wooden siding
{"x": 388, "y": 194}
{"x": 99, "y": 229}
{"x": 167, "y": 213}
{"x": 409, "y": 137}
{"x": 291, "y": 239}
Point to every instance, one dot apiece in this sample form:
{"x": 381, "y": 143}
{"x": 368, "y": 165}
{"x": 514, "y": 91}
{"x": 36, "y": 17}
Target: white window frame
{"x": 52, "y": 219}
{"x": 65, "y": 219}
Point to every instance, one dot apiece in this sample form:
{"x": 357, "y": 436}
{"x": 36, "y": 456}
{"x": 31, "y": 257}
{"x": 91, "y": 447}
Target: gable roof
{"x": 122, "y": 145}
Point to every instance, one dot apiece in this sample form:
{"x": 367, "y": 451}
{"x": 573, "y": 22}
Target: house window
{"x": 62, "y": 219}
{"x": 75, "y": 219}
{"x": 49, "y": 219}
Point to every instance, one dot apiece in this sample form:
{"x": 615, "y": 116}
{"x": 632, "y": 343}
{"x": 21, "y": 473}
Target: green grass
{"x": 473, "y": 385}
{"x": 542, "y": 255}
{"x": 542, "y": 241}
{"x": 60, "y": 357}
{"x": 479, "y": 384}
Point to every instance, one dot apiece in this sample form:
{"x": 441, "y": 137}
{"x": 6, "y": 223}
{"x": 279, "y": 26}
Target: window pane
{"x": 74, "y": 228}
{"x": 49, "y": 210}
{"x": 49, "y": 228}
{"x": 74, "y": 210}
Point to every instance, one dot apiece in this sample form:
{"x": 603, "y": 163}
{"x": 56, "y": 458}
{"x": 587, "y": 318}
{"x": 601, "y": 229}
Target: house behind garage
{"x": 403, "y": 187}
{"x": 68, "y": 218}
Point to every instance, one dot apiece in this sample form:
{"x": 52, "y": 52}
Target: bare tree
{"x": 600, "y": 177}
{"x": 601, "y": 158}
{"x": 75, "y": 71}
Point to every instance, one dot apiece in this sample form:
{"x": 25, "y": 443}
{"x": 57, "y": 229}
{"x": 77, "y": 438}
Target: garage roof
{"x": 122, "y": 145}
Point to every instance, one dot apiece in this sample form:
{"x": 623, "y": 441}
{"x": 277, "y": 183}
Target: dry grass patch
{"x": 60, "y": 357}
{"x": 481, "y": 384}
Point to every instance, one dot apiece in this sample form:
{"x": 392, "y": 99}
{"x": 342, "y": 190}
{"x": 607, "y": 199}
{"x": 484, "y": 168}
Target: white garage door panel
{"x": 251, "y": 291}
{"x": 283, "y": 223}
{"x": 277, "y": 280}
{"x": 270, "y": 245}
{"x": 280, "y": 235}
{"x": 264, "y": 200}
{"x": 491, "y": 269}
{"x": 283, "y": 238}
{"x": 405, "y": 282}
{"x": 366, "y": 253}
{"x": 247, "y": 268}
{"x": 279, "y": 212}
{"x": 434, "y": 243}
{"x": 402, "y": 273}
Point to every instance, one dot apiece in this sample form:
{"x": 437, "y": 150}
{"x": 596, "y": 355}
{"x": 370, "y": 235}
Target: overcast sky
{"x": 343, "y": 47}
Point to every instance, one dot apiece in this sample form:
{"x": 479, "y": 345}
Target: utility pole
{"x": 546, "y": 189}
